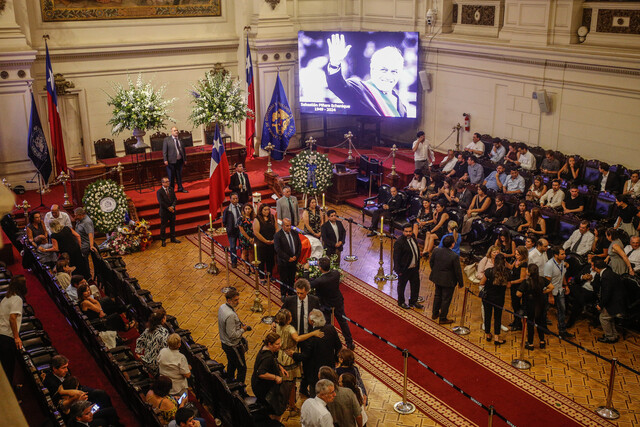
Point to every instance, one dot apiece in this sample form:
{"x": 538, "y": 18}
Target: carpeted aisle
{"x": 518, "y": 397}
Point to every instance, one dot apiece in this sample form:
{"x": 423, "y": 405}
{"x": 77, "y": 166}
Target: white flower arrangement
{"x": 311, "y": 173}
{"x": 218, "y": 98}
{"x": 94, "y": 194}
{"x": 138, "y": 106}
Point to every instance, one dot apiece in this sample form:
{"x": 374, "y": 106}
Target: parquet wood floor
{"x": 193, "y": 296}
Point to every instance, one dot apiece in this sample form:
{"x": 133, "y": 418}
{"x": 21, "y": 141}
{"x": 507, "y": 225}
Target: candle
{"x": 255, "y": 251}
{"x": 382, "y": 225}
{"x": 323, "y": 206}
{"x": 210, "y": 222}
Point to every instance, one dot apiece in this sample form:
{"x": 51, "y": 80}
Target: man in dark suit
{"x": 327, "y": 288}
{"x": 406, "y": 262}
{"x": 230, "y": 217}
{"x": 445, "y": 274}
{"x": 167, "y": 201}
{"x": 611, "y": 301}
{"x": 174, "y": 158}
{"x": 384, "y": 210}
{"x": 287, "y": 245}
{"x": 333, "y": 235}
{"x": 239, "y": 183}
{"x": 300, "y": 305}
{"x": 608, "y": 181}
{"x": 317, "y": 352}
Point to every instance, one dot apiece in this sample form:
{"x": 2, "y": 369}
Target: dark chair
{"x": 591, "y": 172}
{"x": 539, "y": 153}
{"x": 208, "y": 136}
{"x": 371, "y": 203}
{"x": 186, "y": 138}
{"x": 411, "y": 211}
{"x": 105, "y": 148}
{"x": 128, "y": 146}
{"x": 363, "y": 178}
{"x": 605, "y": 206}
{"x": 156, "y": 141}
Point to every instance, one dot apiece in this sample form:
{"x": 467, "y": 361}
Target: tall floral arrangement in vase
{"x": 218, "y": 98}
{"x": 138, "y": 107}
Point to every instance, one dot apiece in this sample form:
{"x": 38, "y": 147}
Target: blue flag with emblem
{"x": 37, "y": 148}
{"x": 279, "y": 125}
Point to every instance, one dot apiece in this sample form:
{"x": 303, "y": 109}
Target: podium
{"x": 343, "y": 186}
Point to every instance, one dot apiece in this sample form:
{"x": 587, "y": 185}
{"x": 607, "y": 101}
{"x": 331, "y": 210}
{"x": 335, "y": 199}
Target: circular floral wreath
{"x": 311, "y": 172}
{"x": 106, "y": 204}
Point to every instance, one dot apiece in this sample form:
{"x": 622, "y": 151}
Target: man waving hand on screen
{"x": 376, "y": 96}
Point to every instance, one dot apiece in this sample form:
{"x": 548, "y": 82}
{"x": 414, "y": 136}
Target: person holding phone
{"x": 164, "y": 405}
{"x": 85, "y": 413}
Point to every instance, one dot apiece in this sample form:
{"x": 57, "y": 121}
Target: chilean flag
{"x": 54, "y": 119}
{"x": 251, "y": 104}
{"x": 218, "y": 174}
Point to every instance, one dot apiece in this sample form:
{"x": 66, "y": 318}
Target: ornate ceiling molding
{"x": 272, "y": 3}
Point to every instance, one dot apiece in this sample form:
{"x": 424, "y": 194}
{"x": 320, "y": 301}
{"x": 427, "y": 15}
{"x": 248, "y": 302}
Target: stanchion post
{"x": 268, "y": 319}
{"x": 520, "y": 362}
{"x": 381, "y": 277}
{"x": 404, "y": 407}
{"x": 333, "y": 315}
{"x": 226, "y": 261}
{"x": 213, "y": 268}
{"x": 200, "y": 265}
{"x": 392, "y": 275}
{"x": 491, "y": 411}
{"x": 257, "y": 304}
{"x": 608, "y": 411}
{"x": 461, "y": 329}
{"x": 351, "y": 257}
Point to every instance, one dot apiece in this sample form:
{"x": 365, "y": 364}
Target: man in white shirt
{"x": 554, "y": 197}
{"x": 538, "y": 255}
{"x": 475, "y": 146}
{"x": 581, "y": 240}
{"x": 55, "y": 213}
{"x": 526, "y": 160}
{"x": 633, "y": 252}
{"x": 10, "y": 323}
{"x": 448, "y": 162}
{"x": 555, "y": 270}
{"x": 422, "y": 154}
{"x": 314, "y": 412}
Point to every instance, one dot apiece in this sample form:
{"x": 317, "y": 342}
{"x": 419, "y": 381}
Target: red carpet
{"x": 66, "y": 341}
{"x": 521, "y": 399}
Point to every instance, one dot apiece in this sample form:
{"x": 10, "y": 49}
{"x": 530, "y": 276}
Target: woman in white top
{"x": 10, "y": 322}
{"x": 173, "y": 364}
{"x": 632, "y": 186}
{"x": 418, "y": 184}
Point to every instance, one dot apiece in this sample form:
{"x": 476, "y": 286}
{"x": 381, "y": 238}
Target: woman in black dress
{"x": 245, "y": 225}
{"x": 506, "y": 245}
{"x": 517, "y": 276}
{"x": 438, "y": 228}
{"x": 264, "y": 228}
{"x": 626, "y": 214}
{"x": 570, "y": 171}
{"x": 312, "y": 218}
{"x": 92, "y": 308}
{"x": 66, "y": 240}
{"x": 268, "y": 374}
{"x": 495, "y": 287}
{"x": 533, "y": 292}
{"x": 423, "y": 218}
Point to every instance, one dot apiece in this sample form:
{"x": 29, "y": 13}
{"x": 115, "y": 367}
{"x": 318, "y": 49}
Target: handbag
{"x": 470, "y": 271}
{"x": 278, "y": 396}
{"x": 513, "y": 222}
{"x": 244, "y": 344}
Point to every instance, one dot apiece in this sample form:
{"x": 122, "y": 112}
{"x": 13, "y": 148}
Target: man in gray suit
{"x": 446, "y": 273}
{"x": 287, "y": 207}
{"x": 174, "y": 158}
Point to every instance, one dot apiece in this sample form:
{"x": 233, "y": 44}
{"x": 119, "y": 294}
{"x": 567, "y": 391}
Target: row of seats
{"x": 228, "y": 400}
{"x": 127, "y": 374}
{"x": 37, "y": 354}
{"x": 106, "y": 148}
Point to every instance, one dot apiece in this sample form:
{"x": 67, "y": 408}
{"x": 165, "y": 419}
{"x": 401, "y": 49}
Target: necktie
{"x": 293, "y": 218}
{"x": 235, "y": 213}
{"x": 179, "y": 155}
{"x": 166, "y": 190}
{"x": 574, "y": 248}
{"x": 293, "y": 249}
{"x": 413, "y": 252}
{"x": 301, "y": 319}
{"x": 241, "y": 177}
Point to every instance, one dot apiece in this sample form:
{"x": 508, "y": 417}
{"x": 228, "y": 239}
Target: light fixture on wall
{"x": 582, "y": 34}
{"x": 431, "y": 16}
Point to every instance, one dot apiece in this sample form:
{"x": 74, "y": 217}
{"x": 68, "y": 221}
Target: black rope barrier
{"x": 547, "y": 331}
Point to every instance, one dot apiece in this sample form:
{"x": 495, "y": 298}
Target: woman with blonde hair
{"x": 290, "y": 340}
{"x": 452, "y": 228}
